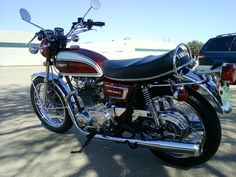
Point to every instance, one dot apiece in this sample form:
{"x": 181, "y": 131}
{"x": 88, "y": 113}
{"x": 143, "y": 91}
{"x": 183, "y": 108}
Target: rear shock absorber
{"x": 150, "y": 105}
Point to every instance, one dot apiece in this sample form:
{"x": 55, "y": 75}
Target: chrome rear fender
{"x": 205, "y": 92}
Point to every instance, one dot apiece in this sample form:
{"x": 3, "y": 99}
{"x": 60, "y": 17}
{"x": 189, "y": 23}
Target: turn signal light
{"x": 181, "y": 95}
{"x": 228, "y": 73}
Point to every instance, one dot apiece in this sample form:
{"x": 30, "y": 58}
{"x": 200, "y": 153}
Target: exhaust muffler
{"x": 165, "y": 146}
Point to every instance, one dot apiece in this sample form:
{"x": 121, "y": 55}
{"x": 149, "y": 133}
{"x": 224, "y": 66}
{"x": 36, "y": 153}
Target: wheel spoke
{"x": 191, "y": 116}
{"x": 54, "y": 110}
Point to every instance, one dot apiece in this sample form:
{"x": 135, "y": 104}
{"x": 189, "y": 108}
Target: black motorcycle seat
{"x": 146, "y": 68}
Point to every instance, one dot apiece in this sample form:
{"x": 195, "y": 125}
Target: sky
{"x": 162, "y": 20}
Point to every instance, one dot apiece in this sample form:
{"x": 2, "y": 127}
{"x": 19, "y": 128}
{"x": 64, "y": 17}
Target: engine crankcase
{"x": 97, "y": 119}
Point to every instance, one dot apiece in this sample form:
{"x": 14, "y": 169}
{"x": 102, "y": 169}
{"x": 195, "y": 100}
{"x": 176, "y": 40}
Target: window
{"x": 220, "y": 43}
{"x": 233, "y": 48}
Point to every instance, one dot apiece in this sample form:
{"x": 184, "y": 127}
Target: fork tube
{"x": 45, "y": 88}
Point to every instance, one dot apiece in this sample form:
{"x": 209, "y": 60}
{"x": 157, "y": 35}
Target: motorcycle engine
{"x": 96, "y": 113}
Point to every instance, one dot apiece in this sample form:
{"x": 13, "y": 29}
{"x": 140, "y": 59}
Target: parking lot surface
{"x": 27, "y": 149}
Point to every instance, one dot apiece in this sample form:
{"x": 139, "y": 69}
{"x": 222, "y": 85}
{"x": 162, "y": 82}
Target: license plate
{"x": 225, "y": 94}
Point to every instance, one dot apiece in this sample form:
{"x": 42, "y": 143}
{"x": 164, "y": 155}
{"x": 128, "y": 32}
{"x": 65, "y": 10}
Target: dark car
{"x": 218, "y": 50}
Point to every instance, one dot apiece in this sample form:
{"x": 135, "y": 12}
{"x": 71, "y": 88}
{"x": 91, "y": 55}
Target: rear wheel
{"x": 53, "y": 114}
{"x": 203, "y": 128}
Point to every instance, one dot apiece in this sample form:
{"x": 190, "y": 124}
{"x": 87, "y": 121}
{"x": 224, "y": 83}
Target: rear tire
{"x": 56, "y": 118}
{"x": 212, "y": 135}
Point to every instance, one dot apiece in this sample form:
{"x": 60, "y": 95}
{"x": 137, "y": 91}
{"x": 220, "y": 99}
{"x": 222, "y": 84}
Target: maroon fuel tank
{"x": 80, "y": 62}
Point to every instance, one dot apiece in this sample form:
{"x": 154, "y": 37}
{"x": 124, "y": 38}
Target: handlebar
{"x": 50, "y": 35}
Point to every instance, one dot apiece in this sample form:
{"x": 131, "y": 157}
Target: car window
{"x": 233, "y": 48}
{"x": 220, "y": 43}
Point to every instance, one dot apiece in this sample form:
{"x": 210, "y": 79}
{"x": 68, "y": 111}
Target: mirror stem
{"x": 87, "y": 12}
{"x": 35, "y": 25}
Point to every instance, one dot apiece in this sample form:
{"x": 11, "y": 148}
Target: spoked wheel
{"x": 53, "y": 113}
{"x": 197, "y": 123}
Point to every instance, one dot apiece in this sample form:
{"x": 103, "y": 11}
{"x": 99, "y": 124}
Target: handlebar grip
{"x": 98, "y": 23}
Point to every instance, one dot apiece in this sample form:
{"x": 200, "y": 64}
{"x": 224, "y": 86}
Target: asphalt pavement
{"x": 27, "y": 149}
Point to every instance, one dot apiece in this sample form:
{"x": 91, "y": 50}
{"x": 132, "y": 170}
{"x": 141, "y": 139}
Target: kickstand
{"x": 89, "y": 138}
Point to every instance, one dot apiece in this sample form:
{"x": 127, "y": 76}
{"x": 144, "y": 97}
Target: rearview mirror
{"x": 95, "y": 4}
{"x": 25, "y": 15}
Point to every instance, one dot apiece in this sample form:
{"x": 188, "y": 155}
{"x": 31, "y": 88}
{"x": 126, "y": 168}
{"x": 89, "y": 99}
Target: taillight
{"x": 201, "y": 56}
{"x": 181, "y": 95}
{"x": 228, "y": 73}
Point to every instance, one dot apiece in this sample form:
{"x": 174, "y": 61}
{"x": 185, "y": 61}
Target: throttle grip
{"x": 90, "y": 23}
{"x": 98, "y": 23}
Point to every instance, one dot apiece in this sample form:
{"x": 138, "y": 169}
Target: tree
{"x": 195, "y": 46}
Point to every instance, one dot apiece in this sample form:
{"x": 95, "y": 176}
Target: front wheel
{"x": 203, "y": 128}
{"x": 53, "y": 114}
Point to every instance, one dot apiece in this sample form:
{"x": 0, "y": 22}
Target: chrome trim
{"x": 153, "y": 77}
{"x": 80, "y": 74}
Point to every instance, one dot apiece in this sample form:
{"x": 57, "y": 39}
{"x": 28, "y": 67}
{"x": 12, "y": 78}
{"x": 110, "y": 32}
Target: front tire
{"x": 53, "y": 115}
{"x": 212, "y": 129}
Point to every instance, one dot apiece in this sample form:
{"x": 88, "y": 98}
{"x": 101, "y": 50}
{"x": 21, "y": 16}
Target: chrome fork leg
{"x": 45, "y": 88}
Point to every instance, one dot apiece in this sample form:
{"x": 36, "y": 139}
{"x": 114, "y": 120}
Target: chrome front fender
{"x": 56, "y": 78}
{"x": 205, "y": 91}
{"x": 64, "y": 90}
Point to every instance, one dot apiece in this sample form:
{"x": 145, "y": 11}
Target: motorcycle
{"x": 155, "y": 102}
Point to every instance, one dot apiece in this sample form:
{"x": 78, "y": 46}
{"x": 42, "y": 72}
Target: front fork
{"x": 45, "y": 88}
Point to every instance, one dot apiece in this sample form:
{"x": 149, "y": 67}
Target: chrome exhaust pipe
{"x": 165, "y": 146}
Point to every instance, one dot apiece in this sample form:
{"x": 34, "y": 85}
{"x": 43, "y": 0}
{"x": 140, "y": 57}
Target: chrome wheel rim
{"x": 53, "y": 112}
{"x": 195, "y": 123}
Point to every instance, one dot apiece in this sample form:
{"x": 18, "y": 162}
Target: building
{"x": 14, "y": 52}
